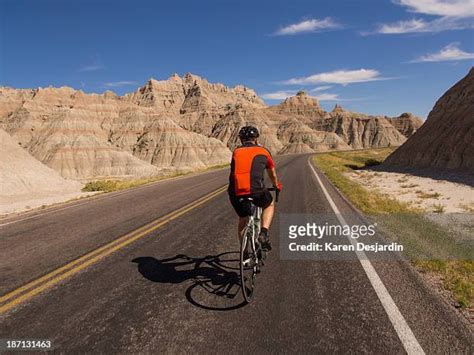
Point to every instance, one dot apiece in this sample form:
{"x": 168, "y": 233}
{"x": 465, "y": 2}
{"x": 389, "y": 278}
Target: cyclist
{"x": 249, "y": 161}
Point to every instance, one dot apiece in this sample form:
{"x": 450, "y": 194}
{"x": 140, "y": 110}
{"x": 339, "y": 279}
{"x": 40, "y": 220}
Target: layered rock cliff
{"x": 407, "y": 123}
{"x": 21, "y": 174}
{"x": 87, "y": 136}
{"x": 445, "y": 141}
{"x": 181, "y": 123}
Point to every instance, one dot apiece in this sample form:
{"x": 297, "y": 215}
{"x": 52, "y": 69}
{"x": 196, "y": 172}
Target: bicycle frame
{"x": 252, "y": 260}
{"x": 254, "y": 222}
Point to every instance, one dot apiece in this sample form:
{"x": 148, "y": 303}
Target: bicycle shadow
{"x": 215, "y": 279}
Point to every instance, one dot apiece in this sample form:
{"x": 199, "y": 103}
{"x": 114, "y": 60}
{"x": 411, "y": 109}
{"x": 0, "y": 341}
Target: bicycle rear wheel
{"x": 248, "y": 264}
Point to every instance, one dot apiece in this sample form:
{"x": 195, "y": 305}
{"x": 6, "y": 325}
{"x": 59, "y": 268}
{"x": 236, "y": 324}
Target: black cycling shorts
{"x": 242, "y": 207}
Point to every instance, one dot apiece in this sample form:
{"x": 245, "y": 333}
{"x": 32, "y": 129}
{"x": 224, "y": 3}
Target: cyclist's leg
{"x": 241, "y": 226}
{"x": 243, "y": 211}
{"x": 265, "y": 200}
{"x": 267, "y": 215}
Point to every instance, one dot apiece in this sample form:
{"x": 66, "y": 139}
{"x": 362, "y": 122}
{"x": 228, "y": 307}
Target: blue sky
{"x": 374, "y": 56}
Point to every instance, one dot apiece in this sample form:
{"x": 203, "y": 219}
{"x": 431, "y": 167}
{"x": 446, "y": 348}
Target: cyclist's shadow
{"x": 215, "y": 280}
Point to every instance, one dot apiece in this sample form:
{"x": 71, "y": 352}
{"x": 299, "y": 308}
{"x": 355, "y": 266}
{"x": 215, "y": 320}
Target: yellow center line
{"x": 83, "y": 262}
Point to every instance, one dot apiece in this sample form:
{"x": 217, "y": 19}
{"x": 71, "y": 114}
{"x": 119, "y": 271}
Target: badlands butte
{"x": 179, "y": 124}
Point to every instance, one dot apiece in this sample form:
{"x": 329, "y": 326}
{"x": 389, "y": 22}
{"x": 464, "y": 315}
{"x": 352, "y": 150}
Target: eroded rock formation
{"x": 21, "y": 174}
{"x": 407, "y": 123}
{"x": 181, "y": 123}
{"x": 446, "y": 139}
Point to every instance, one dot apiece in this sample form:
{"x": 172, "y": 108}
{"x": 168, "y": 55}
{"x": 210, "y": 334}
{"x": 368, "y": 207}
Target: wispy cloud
{"x": 93, "y": 64}
{"x": 308, "y": 26}
{"x": 452, "y": 15}
{"x": 117, "y": 84}
{"x": 328, "y": 97}
{"x": 342, "y": 77}
{"x": 93, "y": 67}
{"x": 414, "y": 25}
{"x": 451, "y": 52}
{"x": 452, "y": 8}
{"x": 320, "y": 88}
{"x": 422, "y": 26}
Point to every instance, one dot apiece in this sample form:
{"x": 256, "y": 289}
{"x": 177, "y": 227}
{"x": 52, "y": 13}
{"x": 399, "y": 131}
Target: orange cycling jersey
{"x": 249, "y": 162}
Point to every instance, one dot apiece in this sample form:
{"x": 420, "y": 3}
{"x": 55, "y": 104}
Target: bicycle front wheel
{"x": 248, "y": 264}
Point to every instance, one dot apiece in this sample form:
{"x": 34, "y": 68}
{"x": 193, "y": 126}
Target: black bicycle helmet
{"x": 248, "y": 133}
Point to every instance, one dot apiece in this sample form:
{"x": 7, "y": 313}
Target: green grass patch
{"x": 430, "y": 247}
{"x": 111, "y": 185}
{"x": 117, "y": 185}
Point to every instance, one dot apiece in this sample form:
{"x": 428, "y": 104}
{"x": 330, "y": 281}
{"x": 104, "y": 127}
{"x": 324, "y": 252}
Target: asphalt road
{"x": 173, "y": 287}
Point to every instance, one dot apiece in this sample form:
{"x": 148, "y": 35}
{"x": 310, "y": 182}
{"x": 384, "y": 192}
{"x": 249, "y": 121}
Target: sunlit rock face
{"x": 182, "y": 123}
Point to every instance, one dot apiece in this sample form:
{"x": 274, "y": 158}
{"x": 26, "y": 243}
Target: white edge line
{"x": 405, "y": 334}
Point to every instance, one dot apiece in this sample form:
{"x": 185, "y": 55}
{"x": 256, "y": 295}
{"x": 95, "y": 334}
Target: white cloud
{"x": 449, "y": 53}
{"x": 415, "y": 25}
{"x": 93, "y": 67}
{"x": 451, "y": 15}
{"x": 420, "y": 26}
{"x": 320, "y": 88}
{"x": 451, "y": 8}
{"x": 343, "y": 77}
{"x": 328, "y": 97}
{"x": 117, "y": 84}
{"x": 305, "y": 26}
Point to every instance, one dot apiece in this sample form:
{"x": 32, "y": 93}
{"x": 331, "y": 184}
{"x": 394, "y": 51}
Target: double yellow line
{"x": 31, "y": 289}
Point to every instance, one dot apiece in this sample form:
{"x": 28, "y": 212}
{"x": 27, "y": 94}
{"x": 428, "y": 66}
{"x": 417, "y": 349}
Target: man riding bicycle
{"x": 249, "y": 162}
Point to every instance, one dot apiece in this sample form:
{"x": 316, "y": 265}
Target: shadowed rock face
{"x": 182, "y": 123}
{"x": 445, "y": 141}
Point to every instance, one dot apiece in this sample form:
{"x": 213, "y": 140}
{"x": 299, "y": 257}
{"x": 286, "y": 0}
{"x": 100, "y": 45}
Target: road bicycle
{"x": 252, "y": 256}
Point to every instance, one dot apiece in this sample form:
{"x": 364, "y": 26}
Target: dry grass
{"x": 467, "y": 207}
{"x": 438, "y": 208}
{"x": 335, "y": 164}
{"x": 117, "y": 185}
{"x": 434, "y": 195}
{"x": 428, "y": 245}
{"x": 409, "y": 186}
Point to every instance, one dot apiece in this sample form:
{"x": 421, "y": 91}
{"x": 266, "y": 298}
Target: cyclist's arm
{"x": 271, "y": 170}
{"x": 273, "y": 176}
